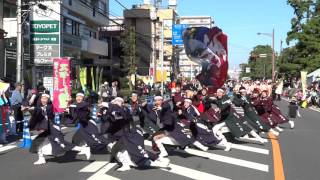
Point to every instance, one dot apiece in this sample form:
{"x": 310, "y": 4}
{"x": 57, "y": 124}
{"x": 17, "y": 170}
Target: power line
{"x": 121, "y": 4}
{"x": 121, "y": 25}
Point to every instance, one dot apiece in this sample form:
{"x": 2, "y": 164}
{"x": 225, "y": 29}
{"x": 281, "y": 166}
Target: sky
{"x": 241, "y": 20}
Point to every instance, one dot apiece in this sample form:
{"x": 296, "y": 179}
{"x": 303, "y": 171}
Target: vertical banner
{"x": 61, "y": 84}
{"x": 83, "y": 78}
{"x": 304, "y": 81}
{"x": 92, "y": 80}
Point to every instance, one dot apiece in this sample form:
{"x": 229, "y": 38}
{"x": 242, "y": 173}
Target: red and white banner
{"x": 61, "y": 84}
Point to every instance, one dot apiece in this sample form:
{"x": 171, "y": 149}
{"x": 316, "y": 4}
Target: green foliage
{"x": 261, "y": 67}
{"x": 305, "y": 33}
{"x": 130, "y": 55}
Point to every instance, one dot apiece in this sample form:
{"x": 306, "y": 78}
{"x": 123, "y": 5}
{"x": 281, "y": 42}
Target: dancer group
{"x": 190, "y": 118}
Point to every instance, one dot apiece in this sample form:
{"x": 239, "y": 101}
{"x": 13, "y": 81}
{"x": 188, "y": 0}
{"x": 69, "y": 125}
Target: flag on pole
{"x": 304, "y": 81}
{"x": 83, "y": 78}
{"x": 92, "y": 80}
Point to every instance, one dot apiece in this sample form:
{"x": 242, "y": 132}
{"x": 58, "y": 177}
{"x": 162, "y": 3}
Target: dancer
{"x": 128, "y": 142}
{"x": 50, "y": 141}
{"x": 233, "y": 121}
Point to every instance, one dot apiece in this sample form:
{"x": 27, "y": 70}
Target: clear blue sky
{"x": 241, "y": 20}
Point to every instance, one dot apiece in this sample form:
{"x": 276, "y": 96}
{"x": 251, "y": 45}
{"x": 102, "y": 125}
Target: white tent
{"x": 315, "y": 75}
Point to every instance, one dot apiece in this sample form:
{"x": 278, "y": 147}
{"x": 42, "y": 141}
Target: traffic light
{"x": 253, "y": 57}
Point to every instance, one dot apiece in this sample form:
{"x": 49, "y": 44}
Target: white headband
{"x": 45, "y": 95}
{"x": 80, "y": 94}
{"x": 188, "y": 100}
{"x": 118, "y": 99}
{"x": 221, "y": 90}
{"x": 158, "y": 98}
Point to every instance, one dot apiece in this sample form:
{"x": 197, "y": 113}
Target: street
{"x": 245, "y": 161}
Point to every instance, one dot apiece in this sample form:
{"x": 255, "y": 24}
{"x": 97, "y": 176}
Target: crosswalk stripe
{"x": 101, "y": 174}
{"x": 225, "y": 159}
{"x": 251, "y": 149}
{"x": 94, "y": 166}
{"x": 234, "y": 146}
{"x": 229, "y": 160}
{"x": 8, "y": 147}
{"x": 191, "y": 173}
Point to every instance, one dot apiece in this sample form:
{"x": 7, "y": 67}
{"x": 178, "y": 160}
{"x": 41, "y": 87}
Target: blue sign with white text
{"x": 177, "y": 30}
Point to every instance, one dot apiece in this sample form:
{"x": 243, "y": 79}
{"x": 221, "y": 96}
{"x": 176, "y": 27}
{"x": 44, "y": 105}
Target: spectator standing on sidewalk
{"x": 16, "y": 102}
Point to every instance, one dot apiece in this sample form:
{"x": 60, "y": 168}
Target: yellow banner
{"x": 92, "y": 80}
{"x": 83, "y": 77}
{"x": 161, "y": 76}
{"x": 304, "y": 81}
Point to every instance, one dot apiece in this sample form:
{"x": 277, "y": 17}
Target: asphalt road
{"x": 245, "y": 161}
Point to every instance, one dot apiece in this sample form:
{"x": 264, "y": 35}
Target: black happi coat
{"x": 165, "y": 120}
{"x": 198, "y": 127}
{"x": 43, "y": 119}
{"x": 234, "y": 122}
{"x": 137, "y": 112}
{"x": 128, "y": 137}
{"x": 250, "y": 114}
{"x": 293, "y": 109}
{"x": 88, "y": 133}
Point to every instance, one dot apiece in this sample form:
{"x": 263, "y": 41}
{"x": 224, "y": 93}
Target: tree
{"x": 260, "y": 66}
{"x": 305, "y": 33}
{"x": 130, "y": 56}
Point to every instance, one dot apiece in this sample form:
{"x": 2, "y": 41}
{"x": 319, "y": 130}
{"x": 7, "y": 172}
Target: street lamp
{"x": 273, "y": 53}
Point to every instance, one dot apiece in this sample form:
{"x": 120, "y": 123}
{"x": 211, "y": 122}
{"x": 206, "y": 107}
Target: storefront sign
{"x": 44, "y": 26}
{"x": 45, "y": 33}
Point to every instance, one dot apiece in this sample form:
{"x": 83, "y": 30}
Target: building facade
{"x": 142, "y": 18}
{"x": 150, "y": 23}
{"x": 167, "y": 17}
{"x": 112, "y": 34}
{"x": 59, "y": 28}
{"x": 2, "y": 33}
{"x": 187, "y": 67}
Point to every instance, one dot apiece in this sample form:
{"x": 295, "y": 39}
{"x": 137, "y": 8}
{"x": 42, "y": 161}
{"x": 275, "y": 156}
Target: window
{"x": 9, "y": 12}
{"x": 102, "y": 7}
{"x": 70, "y": 2}
{"x": 93, "y": 34}
{"x": 75, "y": 28}
{"x": 67, "y": 25}
{"x": 71, "y": 26}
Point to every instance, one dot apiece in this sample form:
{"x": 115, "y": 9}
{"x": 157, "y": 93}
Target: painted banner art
{"x": 208, "y": 47}
{"x": 61, "y": 84}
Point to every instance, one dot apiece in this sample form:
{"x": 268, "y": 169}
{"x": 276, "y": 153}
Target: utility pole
{"x": 19, "y": 42}
{"x": 161, "y": 56}
{"x": 273, "y": 52}
{"x": 273, "y": 57}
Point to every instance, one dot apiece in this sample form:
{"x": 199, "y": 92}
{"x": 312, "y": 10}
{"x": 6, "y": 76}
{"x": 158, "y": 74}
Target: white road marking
{"x": 94, "y": 166}
{"x": 16, "y": 144}
{"x": 191, "y": 173}
{"x": 251, "y": 149}
{"x": 101, "y": 174}
{"x": 234, "y": 146}
{"x": 225, "y": 159}
{"x": 229, "y": 160}
{"x": 6, "y": 148}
